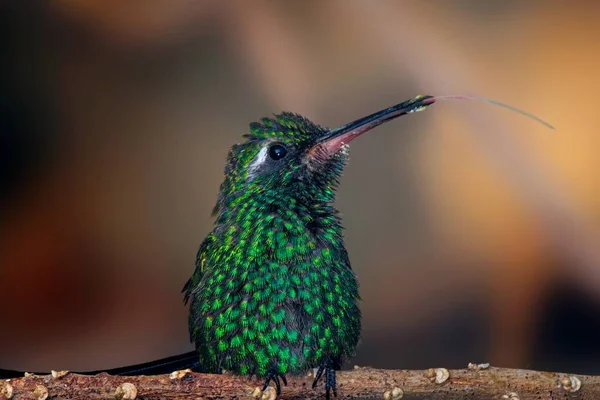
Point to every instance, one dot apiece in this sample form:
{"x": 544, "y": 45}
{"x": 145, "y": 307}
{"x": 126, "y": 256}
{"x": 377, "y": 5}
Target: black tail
{"x": 158, "y": 367}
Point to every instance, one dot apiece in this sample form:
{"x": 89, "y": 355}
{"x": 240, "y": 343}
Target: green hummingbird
{"x": 273, "y": 292}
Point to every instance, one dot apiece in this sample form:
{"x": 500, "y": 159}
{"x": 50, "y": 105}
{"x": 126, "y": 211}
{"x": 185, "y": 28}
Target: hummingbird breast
{"x": 277, "y": 293}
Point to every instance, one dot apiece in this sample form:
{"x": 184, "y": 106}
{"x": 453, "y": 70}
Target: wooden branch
{"x": 475, "y": 382}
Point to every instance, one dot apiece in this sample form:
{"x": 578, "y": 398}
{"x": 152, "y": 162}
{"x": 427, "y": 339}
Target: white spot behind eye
{"x": 257, "y": 162}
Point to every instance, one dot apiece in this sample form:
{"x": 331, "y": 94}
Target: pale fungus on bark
{"x": 438, "y": 375}
{"x": 477, "y": 367}
{"x": 269, "y": 394}
{"x": 127, "y": 391}
{"x": 7, "y": 390}
{"x": 256, "y": 393}
{"x": 40, "y": 392}
{"x": 570, "y": 383}
{"x": 511, "y": 396}
{"x": 58, "y": 374}
{"x": 179, "y": 374}
{"x": 397, "y": 393}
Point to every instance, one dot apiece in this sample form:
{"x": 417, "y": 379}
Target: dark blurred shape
{"x": 569, "y": 329}
{"x": 27, "y": 113}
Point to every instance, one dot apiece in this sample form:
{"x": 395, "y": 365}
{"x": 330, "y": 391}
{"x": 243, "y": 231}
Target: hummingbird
{"x": 273, "y": 292}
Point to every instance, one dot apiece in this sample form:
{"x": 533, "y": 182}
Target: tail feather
{"x": 157, "y": 367}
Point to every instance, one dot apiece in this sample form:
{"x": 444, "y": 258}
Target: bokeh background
{"x": 473, "y": 231}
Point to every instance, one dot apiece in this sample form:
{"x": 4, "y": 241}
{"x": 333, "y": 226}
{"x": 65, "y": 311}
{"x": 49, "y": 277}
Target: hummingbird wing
{"x": 192, "y": 284}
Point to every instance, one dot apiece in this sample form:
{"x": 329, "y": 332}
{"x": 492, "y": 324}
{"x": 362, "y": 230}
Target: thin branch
{"x": 475, "y": 382}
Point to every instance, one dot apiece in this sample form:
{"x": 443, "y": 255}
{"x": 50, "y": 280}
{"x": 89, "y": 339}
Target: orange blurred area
{"x": 473, "y": 230}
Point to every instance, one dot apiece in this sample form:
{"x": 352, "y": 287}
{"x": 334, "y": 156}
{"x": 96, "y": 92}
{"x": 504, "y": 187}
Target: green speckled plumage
{"x": 273, "y": 290}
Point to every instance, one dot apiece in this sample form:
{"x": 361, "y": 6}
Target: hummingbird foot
{"x": 330, "y": 381}
{"x": 273, "y": 376}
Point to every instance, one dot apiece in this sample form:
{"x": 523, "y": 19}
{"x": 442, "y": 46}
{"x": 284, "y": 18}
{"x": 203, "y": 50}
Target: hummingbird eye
{"x": 277, "y": 152}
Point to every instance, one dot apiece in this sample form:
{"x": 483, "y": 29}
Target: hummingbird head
{"x": 289, "y": 156}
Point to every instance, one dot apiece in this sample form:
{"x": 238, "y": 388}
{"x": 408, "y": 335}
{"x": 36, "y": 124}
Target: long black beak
{"x": 334, "y": 139}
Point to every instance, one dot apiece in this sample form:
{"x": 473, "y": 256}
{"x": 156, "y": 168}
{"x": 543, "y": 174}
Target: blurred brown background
{"x": 116, "y": 118}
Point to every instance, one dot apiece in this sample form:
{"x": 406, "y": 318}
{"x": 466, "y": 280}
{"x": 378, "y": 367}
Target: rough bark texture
{"x": 475, "y": 382}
